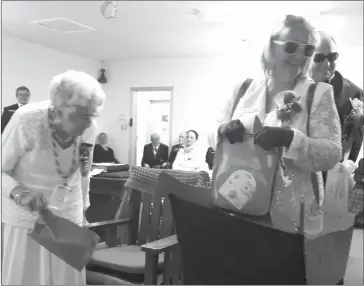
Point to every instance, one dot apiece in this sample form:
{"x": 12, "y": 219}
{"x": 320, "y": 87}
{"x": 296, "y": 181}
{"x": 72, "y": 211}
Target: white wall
{"x": 34, "y": 66}
{"x": 200, "y": 84}
{"x": 350, "y": 63}
{"x": 196, "y": 82}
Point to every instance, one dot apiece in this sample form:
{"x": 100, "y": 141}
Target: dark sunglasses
{"x": 319, "y": 58}
{"x": 291, "y": 47}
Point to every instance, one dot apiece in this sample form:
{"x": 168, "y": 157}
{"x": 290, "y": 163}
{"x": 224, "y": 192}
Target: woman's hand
{"x": 234, "y": 131}
{"x": 271, "y": 137}
{"x": 34, "y": 201}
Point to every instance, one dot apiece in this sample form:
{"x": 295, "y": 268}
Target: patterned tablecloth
{"x": 145, "y": 179}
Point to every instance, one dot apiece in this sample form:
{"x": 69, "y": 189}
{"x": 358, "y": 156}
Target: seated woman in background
{"x": 102, "y": 153}
{"x": 192, "y": 157}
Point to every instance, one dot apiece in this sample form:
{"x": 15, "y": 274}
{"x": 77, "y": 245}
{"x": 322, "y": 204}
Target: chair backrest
{"x": 150, "y": 213}
{"x": 156, "y": 220}
{"x": 226, "y": 249}
{"x": 145, "y": 211}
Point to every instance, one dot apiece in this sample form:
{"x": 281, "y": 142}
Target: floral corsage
{"x": 289, "y": 107}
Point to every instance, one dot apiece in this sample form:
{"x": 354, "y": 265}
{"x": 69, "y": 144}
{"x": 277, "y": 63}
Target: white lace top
{"x": 28, "y": 161}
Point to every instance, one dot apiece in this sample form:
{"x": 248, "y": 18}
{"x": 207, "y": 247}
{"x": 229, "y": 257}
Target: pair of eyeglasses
{"x": 319, "y": 58}
{"x": 291, "y": 47}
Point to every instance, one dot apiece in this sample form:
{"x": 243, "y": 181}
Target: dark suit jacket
{"x": 173, "y": 154}
{"x": 7, "y": 114}
{"x": 103, "y": 156}
{"x": 210, "y": 154}
{"x": 344, "y": 90}
{"x": 150, "y": 159}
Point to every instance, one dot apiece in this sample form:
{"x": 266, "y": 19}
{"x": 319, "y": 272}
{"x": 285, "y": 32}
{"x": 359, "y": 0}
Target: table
{"x": 106, "y": 192}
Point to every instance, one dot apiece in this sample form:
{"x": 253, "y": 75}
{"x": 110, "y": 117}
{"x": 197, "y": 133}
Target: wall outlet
{"x": 123, "y": 117}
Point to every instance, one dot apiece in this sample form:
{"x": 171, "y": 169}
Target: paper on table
{"x": 107, "y": 164}
{"x": 96, "y": 171}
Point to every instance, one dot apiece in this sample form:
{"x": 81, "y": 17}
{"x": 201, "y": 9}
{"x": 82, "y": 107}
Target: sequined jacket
{"x": 319, "y": 152}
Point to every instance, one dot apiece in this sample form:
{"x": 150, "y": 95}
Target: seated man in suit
{"x": 155, "y": 154}
{"x": 103, "y": 153}
{"x": 22, "y": 95}
{"x": 176, "y": 148}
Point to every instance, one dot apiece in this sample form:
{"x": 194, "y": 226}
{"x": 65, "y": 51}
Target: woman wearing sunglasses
{"x": 286, "y": 62}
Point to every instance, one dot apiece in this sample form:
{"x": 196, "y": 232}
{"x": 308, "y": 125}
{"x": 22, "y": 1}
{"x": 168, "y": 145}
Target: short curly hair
{"x": 75, "y": 88}
{"x": 267, "y": 58}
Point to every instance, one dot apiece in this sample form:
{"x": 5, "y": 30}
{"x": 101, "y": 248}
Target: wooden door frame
{"x": 132, "y": 140}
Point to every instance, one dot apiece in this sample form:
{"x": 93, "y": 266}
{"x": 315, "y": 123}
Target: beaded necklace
{"x": 56, "y": 156}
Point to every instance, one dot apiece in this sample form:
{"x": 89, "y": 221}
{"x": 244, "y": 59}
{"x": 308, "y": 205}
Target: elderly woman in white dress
{"x": 192, "y": 157}
{"x": 41, "y": 162}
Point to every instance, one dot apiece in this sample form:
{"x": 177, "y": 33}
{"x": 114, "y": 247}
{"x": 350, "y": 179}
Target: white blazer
{"x": 319, "y": 152}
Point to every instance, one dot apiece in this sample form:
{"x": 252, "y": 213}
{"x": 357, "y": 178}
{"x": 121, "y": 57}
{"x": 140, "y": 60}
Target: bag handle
{"x": 242, "y": 90}
{"x": 314, "y": 180}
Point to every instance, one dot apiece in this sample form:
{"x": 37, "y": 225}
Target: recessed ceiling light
{"x": 197, "y": 13}
{"x": 63, "y": 25}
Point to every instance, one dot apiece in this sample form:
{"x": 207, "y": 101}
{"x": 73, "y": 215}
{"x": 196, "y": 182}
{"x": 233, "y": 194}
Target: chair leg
{"x": 151, "y": 265}
{"x": 167, "y": 268}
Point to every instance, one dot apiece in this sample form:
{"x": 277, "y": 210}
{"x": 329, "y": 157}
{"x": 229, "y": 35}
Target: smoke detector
{"x": 109, "y": 9}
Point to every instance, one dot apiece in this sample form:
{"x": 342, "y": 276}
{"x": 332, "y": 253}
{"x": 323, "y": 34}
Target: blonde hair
{"x": 74, "y": 88}
{"x": 267, "y": 58}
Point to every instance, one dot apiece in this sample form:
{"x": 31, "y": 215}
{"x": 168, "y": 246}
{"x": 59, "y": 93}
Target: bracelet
{"x": 17, "y": 197}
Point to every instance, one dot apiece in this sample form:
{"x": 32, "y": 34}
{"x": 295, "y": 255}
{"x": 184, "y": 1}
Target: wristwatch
{"x": 17, "y": 197}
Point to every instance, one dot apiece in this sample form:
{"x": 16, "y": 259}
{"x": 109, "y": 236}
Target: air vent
{"x": 63, "y": 25}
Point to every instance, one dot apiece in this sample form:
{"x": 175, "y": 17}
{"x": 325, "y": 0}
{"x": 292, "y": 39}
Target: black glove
{"x": 234, "y": 131}
{"x": 357, "y": 120}
{"x": 271, "y": 137}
